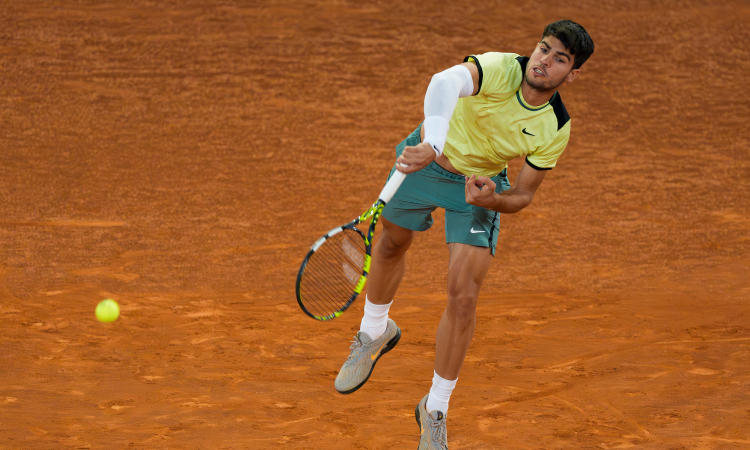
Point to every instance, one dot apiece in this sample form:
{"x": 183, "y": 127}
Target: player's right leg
{"x": 409, "y": 211}
{"x": 388, "y": 262}
{"x": 378, "y": 334}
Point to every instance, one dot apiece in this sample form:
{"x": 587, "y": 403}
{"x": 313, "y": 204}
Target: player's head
{"x": 558, "y": 56}
{"x": 575, "y": 39}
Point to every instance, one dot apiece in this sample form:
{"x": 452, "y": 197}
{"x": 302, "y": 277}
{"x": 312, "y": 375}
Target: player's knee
{"x": 394, "y": 243}
{"x": 392, "y": 248}
{"x": 463, "y": 307}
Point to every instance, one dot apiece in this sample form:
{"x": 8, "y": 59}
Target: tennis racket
{"x": 334, "y": 271}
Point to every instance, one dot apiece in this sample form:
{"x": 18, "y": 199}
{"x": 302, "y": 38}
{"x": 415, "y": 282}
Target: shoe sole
{"x": 419, "y": 422}
{"x": 392, "y": 343}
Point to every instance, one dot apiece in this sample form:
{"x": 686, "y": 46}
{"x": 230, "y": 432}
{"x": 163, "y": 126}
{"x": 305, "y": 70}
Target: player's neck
{"x": 534, "y": 96}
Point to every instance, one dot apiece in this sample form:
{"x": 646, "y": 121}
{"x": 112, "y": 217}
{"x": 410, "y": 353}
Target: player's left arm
{"x": 480, "y": 191}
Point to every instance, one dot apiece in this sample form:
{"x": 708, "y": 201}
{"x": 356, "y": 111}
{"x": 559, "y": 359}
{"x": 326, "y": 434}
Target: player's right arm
{"x": 440, "y": 100}
{"x": 472, "y": 66}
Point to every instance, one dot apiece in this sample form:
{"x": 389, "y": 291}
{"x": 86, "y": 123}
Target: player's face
{"x": 550, "y": 65}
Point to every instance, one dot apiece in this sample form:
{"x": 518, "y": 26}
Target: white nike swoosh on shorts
{"x": 474, "y": 231}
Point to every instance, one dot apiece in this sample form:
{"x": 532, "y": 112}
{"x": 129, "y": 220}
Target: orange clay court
{"x": 181, "y": 157}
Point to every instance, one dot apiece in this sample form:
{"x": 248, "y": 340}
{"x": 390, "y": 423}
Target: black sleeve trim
{"x": 474, "y": 59}
{"x": 523, "y": 60}
{"x": 560, "y": 112}
{"x": 535, "y": 167}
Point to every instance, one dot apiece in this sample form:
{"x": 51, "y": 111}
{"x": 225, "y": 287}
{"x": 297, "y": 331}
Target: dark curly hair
{"x": 574, "y": 37}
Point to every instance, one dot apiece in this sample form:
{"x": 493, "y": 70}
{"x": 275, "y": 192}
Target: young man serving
{"x": 478, "y": 116}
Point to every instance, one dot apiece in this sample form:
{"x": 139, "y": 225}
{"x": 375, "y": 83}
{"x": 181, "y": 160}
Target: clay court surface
{"x": 181, "y": 157}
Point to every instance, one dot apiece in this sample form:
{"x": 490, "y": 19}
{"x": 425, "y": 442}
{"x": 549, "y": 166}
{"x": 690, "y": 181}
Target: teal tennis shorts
{"x": 434, "y": 187}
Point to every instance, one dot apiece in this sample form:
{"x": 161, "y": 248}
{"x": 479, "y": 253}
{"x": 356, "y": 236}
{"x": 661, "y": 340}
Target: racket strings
{"x": 327, "y": 266}
{"x": 332, "y": 278}
{"x": 324, "y": 295}
{"x": 333, "y": 272}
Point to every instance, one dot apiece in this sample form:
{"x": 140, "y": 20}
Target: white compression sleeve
{"x": 440, "y": 100}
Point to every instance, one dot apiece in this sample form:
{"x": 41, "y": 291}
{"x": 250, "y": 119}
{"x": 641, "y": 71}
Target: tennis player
{"x": 478, "y": 116}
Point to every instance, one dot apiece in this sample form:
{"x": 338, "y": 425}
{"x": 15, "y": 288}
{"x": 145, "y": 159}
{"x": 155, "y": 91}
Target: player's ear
{"x": 572, "y": 75}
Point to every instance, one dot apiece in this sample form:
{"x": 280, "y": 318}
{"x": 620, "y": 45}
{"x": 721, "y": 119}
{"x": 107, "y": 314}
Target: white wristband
{"x": 436, "y": 132}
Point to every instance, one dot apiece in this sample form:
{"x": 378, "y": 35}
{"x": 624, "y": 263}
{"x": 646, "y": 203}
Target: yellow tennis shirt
{"x": 496, "y": 125}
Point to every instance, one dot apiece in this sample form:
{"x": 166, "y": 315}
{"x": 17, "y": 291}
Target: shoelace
{"x": 356, "y": 343}
{"x": 438, "y": 431}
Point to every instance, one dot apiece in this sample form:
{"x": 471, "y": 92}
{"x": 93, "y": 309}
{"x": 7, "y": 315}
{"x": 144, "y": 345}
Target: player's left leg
{"x": 471, "y": 233}
{"x": 467, "y": 268}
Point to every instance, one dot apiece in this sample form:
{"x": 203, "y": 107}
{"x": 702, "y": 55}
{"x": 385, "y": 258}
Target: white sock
{"x": 440, "y": 394}
{"x": 375, "y": 320}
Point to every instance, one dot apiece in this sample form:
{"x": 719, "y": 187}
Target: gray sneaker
{"x": 432, "y": 426}
{"x": 365, "y": 353}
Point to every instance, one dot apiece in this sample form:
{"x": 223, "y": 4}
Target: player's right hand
{"x": 415, "y": 158}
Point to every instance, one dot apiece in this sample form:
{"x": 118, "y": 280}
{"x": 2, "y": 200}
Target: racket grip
{"x": 392, "y": 186}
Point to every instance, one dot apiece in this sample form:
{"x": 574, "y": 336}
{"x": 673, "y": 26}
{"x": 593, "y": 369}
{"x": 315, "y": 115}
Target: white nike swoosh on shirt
{"x": 475, "y": 231}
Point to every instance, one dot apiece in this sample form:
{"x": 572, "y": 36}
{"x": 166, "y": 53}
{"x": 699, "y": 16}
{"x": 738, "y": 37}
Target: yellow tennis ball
{"x": 107, "y": 311}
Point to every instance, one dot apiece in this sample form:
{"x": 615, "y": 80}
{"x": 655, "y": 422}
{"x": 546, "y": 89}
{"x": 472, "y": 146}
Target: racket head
{"x": 333, "y": 273}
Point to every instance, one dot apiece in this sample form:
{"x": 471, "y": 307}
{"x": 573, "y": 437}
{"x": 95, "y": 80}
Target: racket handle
{"x": 392, "y": 186}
